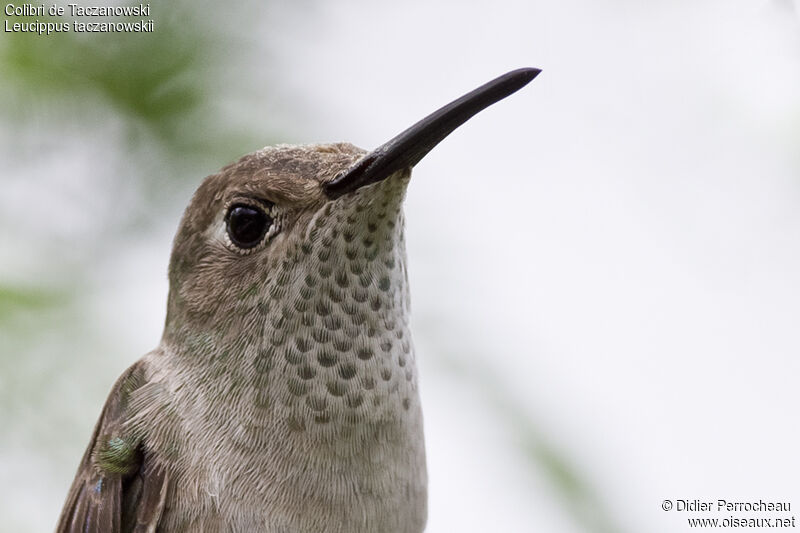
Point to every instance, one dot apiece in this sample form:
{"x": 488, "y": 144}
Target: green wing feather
{"x": 118, "y": 488}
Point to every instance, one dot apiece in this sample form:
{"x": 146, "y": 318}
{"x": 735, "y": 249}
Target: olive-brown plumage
{"x": 283, "y": 396}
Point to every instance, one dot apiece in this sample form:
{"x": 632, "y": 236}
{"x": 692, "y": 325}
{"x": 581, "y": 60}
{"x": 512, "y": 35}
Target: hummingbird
{"x": 283, "y": 395}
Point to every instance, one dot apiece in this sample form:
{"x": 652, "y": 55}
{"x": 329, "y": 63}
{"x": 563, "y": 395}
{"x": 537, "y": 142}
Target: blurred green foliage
{"x": 146, "y": 107}
{"x": 15, "y": 298}
{"x": 161, "y": 81}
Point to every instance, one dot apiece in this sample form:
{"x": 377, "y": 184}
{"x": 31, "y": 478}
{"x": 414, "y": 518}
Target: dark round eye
{"x": 247, "y": 225}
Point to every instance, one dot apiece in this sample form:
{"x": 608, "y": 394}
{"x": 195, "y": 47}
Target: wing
{"x": 119, "y": 488}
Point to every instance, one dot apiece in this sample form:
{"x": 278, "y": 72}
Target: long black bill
{"x": 408, "y": 148}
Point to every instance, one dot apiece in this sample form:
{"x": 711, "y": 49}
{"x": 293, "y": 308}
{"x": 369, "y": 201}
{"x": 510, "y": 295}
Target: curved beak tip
{"x": 409, "y": 147}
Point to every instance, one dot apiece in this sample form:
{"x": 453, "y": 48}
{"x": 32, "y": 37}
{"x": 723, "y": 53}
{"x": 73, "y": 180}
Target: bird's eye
{"x": 247, "y": 225}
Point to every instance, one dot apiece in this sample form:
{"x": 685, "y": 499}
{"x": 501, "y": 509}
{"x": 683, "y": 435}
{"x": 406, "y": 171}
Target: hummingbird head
{"x": 294, "y": 296}
{"x": 262, "y": 228}
{"x": 251, "y": 228}
{"x": 288, "y": 273}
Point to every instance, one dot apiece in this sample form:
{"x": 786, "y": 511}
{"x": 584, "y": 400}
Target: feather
{"x": 118, "y": 487}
